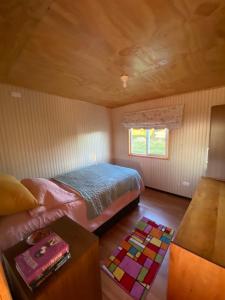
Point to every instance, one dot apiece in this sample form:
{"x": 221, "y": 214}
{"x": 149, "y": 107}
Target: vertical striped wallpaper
{"x": 187, "y": 146}
{"x": 43, "y": 135}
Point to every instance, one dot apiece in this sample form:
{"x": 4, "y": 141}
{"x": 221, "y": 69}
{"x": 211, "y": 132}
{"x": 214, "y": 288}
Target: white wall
{"x": 44, "y": 135}
{"x": 188, "y": 145}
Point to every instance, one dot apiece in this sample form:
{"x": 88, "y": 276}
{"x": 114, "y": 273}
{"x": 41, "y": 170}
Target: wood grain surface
{"x": 79, "y": 49}
{"x": 160, "y": 207}
{"x": 203, "y": 226}
{"x": 79, "y": 278}
{"x": 4, "y": 288}
{"x": 192, "y": 277}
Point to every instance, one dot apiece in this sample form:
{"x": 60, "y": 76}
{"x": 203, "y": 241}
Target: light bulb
{"x": 124, "y": 79}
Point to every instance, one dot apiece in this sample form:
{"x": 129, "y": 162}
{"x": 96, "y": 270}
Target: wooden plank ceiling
{"x": 79, "y": 48}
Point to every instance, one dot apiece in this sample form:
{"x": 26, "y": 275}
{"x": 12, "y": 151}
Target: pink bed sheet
{"x": 16, "y": 227}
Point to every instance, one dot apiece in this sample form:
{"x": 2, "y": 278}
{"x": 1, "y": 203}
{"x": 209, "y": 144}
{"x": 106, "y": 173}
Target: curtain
{"x": 163, "y": 117}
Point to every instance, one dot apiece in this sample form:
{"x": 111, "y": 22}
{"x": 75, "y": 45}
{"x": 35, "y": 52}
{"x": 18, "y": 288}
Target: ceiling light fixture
{"x": 124, "y": 79}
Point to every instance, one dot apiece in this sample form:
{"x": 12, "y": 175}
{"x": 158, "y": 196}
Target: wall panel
{"x": 44, "y": 135}
{"x": 188, "y": 145}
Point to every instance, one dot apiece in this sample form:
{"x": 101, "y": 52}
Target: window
{"x": 149, "y": 142}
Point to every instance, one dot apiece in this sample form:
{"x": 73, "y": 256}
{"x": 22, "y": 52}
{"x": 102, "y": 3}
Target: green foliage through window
{"x": 149, "y": 142}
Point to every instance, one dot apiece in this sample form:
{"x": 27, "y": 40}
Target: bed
{"x": 100, "y": 194}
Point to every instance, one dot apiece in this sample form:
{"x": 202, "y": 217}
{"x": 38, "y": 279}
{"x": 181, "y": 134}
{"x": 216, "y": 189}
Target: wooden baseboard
{"x": 161, "y": 191}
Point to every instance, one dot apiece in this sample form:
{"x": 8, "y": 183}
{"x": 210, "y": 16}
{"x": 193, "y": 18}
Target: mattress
{"x": 101, "y": 184}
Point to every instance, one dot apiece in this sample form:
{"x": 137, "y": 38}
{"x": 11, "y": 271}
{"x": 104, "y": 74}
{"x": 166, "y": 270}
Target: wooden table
{"x": 197, "y": 254}
{"x": 78, "y": 279}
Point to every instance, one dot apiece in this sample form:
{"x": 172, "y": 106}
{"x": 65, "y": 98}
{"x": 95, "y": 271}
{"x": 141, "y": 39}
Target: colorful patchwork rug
{"x": 135, "y": 263}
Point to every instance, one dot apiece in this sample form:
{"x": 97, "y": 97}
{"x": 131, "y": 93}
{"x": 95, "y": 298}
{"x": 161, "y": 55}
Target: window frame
{"x": 166, "y": 156}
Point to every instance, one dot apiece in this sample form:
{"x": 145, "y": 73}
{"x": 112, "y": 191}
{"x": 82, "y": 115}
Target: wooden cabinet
{"x": 197, "y": 254}
{"x": 79, "y": 278}
{"x": 4, "y": 289}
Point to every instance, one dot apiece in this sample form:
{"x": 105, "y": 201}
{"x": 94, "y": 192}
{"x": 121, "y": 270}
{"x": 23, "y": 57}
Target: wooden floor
{"x": 160, "y": 207}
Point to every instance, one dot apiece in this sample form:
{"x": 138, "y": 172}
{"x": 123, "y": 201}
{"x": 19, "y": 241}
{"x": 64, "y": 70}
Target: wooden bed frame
{"x": 108, "y": 224}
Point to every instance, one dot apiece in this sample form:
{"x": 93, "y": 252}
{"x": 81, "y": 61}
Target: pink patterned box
{"x": 33, "y": 262}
